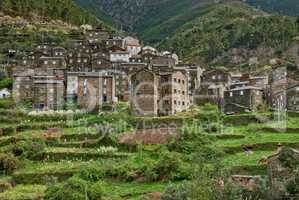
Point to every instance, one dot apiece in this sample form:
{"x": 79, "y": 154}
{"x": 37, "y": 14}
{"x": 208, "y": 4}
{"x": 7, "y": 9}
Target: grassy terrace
{"x": 76, "y": 148}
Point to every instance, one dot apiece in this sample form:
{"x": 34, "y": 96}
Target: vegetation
{"x": 228, "y": 26}
{"x": 64, "y": 10}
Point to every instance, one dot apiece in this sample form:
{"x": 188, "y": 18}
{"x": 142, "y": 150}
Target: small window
{"x": 213, "y": 77}
{"x": 183, "y": 81}
{"x": 231, "y": 94}
{"x": 45, "y": 62}
{"x": 54, "y": 62}
{"x": 174, "y": 102}
{"x": 241, "y": 92}
{"x": 174, "y": 79}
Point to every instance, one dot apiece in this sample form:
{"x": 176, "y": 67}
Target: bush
{"x": 7, "y": 103}
{"x": 30, "y": 149}
{"x": 75, "y": 189}
{"x": 8, "y": 163}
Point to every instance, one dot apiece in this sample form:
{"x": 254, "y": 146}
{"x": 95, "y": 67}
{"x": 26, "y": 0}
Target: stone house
{"x": 277, "y": 90}
{"x": 48, "y": 93}
{"x": 115, "y": 42}
{"x": 242, "y": 99}
{"x": 96, "y": 35}
{"x": 293, "y": 98}
{"x": 259, "y": 81}
{"x": 119, "y": 55}
{"x": 132, "y": 45}
{"x": 78, "y": 61}
{"x": 213, "y": 84}
{"x": 100, "y": 62}
{"x": 162, "y": 63}
{"x": 144, "y": 93}
{"x": 95, "y": 89}
{"x": 51, "y": 66}
{"x": 44, "y": 49}
{"x": 81, "y": 46}
{"x": 173, "y": 93}
{"x": 22, "y": 86}
{"x": 155, "y": 93}
{"x": 59, "y": 52}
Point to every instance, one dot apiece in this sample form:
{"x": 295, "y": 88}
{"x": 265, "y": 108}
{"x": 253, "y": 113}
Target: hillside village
{"x": 99, "y": 69}
{"x": 91, "y": 113}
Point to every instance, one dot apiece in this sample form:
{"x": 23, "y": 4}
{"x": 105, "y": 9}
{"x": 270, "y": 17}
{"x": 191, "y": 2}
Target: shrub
{"x": 74, "y": 189}
{"x": 8, "y": 163}
{"x": 30, "y": 149}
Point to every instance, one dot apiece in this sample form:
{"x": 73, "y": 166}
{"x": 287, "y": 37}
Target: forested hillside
{"x": 65, "y": 10}
{"x": 234, "y": 29}
{"x": 285, "y": 7}
{"x": 152, "y": 20}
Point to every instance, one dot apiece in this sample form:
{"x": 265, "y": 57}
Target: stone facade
{"x": 155, "y": 94}
{"x": 144, "y": 93}
{"x": 48, "y": 94}
{"x": 243, "y": 99}
{"x": 94, "y": 90}
{"x": 213, "y": 85}
{"x": 293, "y": 98}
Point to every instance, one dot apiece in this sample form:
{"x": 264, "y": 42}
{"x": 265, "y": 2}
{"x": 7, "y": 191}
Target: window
{"x": 183, "y": 103}
{"x": 231, "y": 94}
{"x": 213, "y": 77}
{"x": 174, "y": 102}
{"x": 183, "y": 81}
{"x": 99, "y": 62}
{"x": 45, "y": 62}
{"x": 183, "y": 92}
{"x": 174, "y": 79}
{"x": 175, "y": 91}
{"x": 25, "y": 62}
{"x": 85, "y": 60}
{"x": 241, "y": 92}
{"x": 54, "y": 62}
{"x": 257, "y": 92}
{"x": 179, "y": 80}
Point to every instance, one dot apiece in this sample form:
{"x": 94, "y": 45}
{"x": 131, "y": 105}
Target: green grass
{"x": 256, "y": 138}
{"x": 242, "y": 159}
{"x": 131, "y": 191}
{"x": 24, "y": 192}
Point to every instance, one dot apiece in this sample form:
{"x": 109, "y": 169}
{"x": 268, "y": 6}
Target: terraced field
{"x": 72, "y": 146}
{"x": 247, "y": 145}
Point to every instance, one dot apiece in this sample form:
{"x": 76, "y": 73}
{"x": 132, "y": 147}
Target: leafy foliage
{"x": 228, "y": 26}
{"x": 74, "y": 189}
{"x": 64, "y": 10}
{"x": 8, "y": 163}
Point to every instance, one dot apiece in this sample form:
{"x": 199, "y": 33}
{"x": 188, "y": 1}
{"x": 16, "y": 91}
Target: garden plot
{"x": 60, "y": 153}
{"x": 24, "y": 192}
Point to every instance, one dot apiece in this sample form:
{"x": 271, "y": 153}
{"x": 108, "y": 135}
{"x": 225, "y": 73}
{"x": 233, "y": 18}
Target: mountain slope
{"x": 152, "y": 20}
{"x": 65, "y": 10}
{"x": 229, "y": 34}
{"x": 285, "y": 7}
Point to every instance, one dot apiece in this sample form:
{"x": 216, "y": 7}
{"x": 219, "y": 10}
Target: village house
{"x": 94, "y": 90}
{"x": 48, "y": 93}
{"x": 119, "y": 55}
{"x": 78, "y": 61}
{"x": 243, "y": 99}
{"x": 100, "y": 61}
{"x": 44, "y": 49}
{"x": 144, "y": 93}
{"x": 115, "y": 41}
{"x": 259, "y": 81}
{"x": 162, "y": 63}
{"x": 132, "y": 45}
{"x": 96, "y": 35}
{"x": 278, "y": 84}
{"x": 155, "y": 93}
{"x": 212, "y": 86}
{"x": 59, "y": 52}
{"x": 51, "y": 66}
{"x": 22, "y": 86}
{"x": 293, "y": 98}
